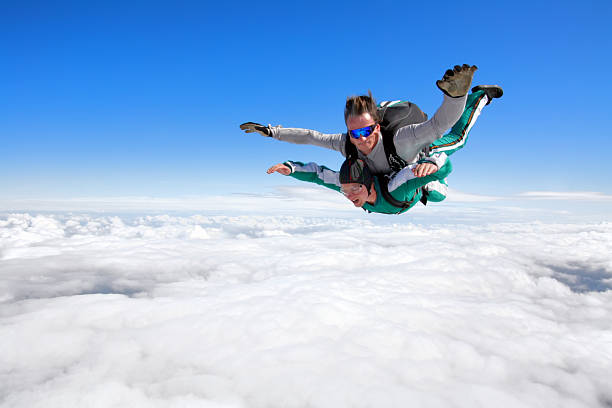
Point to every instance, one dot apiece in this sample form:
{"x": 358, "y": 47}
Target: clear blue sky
{"x": 145, "y": 98}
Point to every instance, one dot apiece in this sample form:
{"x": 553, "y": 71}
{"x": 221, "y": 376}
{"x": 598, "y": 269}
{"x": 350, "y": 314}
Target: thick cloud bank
{"x": 162, "y": 311}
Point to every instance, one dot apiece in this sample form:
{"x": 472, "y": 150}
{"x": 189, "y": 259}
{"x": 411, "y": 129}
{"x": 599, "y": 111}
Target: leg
{"x": 457, "y": 137}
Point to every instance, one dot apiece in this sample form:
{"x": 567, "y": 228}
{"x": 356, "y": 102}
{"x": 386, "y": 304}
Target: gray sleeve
{"x": 409, "y": 140}
{"x": 333, "y": 141}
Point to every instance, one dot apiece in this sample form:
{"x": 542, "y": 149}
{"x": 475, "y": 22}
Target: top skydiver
{"x": 393, "y": 135}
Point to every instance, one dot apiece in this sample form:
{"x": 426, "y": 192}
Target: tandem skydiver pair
{"x": 395, "y": 157}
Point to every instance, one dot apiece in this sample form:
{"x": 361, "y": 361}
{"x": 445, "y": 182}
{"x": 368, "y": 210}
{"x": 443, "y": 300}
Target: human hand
{"x": 252, "y": 127}
{"x": 424, "y": 169}
{"x": 456, "y": 82}
{"x": 280, "y": 168}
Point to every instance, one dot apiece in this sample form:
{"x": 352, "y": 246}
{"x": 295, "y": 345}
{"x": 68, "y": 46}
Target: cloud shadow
{"x": 582, "y": 278}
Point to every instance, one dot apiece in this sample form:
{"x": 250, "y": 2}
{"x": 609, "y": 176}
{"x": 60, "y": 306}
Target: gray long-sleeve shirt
{"x": 409, "y": 140}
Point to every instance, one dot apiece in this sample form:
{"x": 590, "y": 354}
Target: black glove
{"x": 456, "y": 82}
{"x": 252, "y": 127}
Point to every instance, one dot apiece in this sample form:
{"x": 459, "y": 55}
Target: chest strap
{"x": 384, "y": 189}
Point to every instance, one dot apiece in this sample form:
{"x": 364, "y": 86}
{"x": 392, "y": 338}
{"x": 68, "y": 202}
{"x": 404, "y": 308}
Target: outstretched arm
{"x": 310, "y": 172}
{"x": 333, "y": 141}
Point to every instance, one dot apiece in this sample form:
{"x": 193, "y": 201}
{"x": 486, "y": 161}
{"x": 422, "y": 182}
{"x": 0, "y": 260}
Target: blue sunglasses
{"x": 363, "y": 132}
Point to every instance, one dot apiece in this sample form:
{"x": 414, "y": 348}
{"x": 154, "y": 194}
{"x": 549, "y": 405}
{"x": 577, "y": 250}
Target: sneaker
{"x": 492, "y": 91}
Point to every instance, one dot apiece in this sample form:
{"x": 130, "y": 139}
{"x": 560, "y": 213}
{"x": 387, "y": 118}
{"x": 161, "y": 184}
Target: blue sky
{"x": 145, "y": 98}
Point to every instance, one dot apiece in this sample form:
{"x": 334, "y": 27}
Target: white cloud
{"x": 460, "y": 196}
{"x": 310, "y": 200}
{"x": 271, "y": 310}
{"x": 568, "y": 195}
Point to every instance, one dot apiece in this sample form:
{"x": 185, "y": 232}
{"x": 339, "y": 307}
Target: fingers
{"x": 456, "y": 82}
{"x": 419, "y": 171}
{"x": 273, "y": 169}
{"x": 425, "y": 169}
{"x": 466, "y": 67}
{"x": 248, "y": 125}
{"x": 458, "y": 68}
{"x": 281, "y": 168}
{"x": 463, "y": 67}
{"x": 252, "y": 127}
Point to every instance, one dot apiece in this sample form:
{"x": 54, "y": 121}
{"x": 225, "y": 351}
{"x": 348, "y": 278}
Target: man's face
{"x": 357, "y": 193}
{"x": 363, "y": 144}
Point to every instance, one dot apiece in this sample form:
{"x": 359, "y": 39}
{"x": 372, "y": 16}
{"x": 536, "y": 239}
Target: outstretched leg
{"x": 457, "y": 137}
{"x": 454, "y": 140}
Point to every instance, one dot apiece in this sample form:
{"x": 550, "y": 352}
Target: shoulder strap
{"x": 395, "y": 161}
{"x": 350, "y": 151}
{"x": 383, "y": 181}
{"x": 394, "y": 115}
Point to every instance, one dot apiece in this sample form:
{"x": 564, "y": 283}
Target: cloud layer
{"x": 287, "y": 311}
{"x": 303, "y": 200}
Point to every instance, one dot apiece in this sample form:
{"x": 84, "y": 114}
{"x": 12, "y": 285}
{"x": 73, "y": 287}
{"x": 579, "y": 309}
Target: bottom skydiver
{"x": 422, "y": 181}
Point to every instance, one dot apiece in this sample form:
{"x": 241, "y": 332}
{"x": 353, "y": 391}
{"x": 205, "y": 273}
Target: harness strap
{"x": 396, "y": 163}
{"x": 349, "y": 149}
{"x": 384, "y": 189}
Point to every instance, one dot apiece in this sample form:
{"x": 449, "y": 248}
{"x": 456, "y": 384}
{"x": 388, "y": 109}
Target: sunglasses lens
{"x": 363, "y": 132}
{"x": 350, "y": 190}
